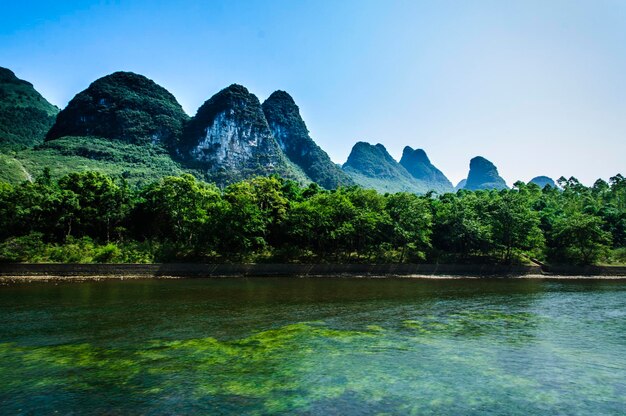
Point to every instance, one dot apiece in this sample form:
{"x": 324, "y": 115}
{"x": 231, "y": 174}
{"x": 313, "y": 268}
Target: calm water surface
{"x": 314, "y": 347}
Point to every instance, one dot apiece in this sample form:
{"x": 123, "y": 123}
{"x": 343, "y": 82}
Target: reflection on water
{"x": 314, "y": 346}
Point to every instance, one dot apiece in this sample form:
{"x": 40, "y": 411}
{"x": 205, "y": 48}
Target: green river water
{"x": 314, "y": 347}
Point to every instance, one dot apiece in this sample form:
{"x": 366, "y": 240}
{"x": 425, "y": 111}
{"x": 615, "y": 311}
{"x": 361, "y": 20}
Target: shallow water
{"x": 314, "y": 346}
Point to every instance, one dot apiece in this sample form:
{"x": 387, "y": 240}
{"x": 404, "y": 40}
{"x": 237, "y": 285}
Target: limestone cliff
{"x": 292, "y": 135}
{"x": 230, "y": 140}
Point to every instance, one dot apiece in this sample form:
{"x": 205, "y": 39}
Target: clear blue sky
{"x": 536, "y": 86}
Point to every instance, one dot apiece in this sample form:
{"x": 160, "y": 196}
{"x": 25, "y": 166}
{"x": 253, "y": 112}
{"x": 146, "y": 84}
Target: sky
{"x": 537, "y": 87}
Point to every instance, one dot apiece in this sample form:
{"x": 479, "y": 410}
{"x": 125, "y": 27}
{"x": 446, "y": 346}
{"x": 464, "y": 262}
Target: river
{"x": 314, "y": 347}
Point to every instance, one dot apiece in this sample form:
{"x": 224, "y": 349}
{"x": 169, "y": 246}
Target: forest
{"x": 89, "y": 217}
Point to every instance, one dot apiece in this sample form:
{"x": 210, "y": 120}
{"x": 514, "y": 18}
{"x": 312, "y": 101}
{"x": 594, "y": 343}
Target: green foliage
{"x": 123, "y": 106}
{"x": 27, "y": 248}
{"x": 373, "y": 167}
{"x": 410, "y": 224}
{"x": 32, "y": 248}
{"x": 98, "y": 205}
{"x": 181, "y": 211}
{"x": 289, "y": 130}
{"x": 25, "y": 116}
{"x": 515, "y": 225}
{"x": 483, "y": 175}
{"x": 461, "y": 226}
{"x": 91, "y": 217}
{"x": 12, "y": 170}
{"x": 139, "y": 165}
{"x": 416, "y": 162}
{"x": 618, "y": 256}
{"x": 581, "y": 238}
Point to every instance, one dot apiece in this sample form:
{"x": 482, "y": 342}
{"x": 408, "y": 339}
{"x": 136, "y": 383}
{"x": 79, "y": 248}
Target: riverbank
{"x": 45, "y": 272}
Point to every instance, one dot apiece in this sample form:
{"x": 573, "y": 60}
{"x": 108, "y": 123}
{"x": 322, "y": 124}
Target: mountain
{"x": 292, "y": 135}
{"x": 416, "y": 162}
{"x": 460, "y": 185}
{"x": 542, "y": 181}
{"x": 229, "y": 139}
{"x": 373, "y": 167}
{"x": 125, "y": 107}
{"x": 483, "y": 175}
{"x": 120, "y": 125}
{"x": 25, "y": 116}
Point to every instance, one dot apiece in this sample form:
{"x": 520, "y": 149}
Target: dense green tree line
{"x": 90, "y": 217}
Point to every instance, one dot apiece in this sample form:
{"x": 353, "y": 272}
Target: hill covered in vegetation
{"x": 416, "y": 162}
{"x": 25, "y": 116}
{"x": 125, "y": 107}
{"x": 542, "y": 181}
{"x": 372, "y": 167}
{"x": 126, "y": 125}
{"x": 483, "y": 175}
{"x": 292, "y": 135}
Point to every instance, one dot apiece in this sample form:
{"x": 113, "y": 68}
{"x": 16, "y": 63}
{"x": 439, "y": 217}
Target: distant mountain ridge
{"x": 416, "y": 162}
{"x": 483, "y": 175}
{"x": 542, "y": 181}
{"x": 126, "y": 124}
{"x": 371, "y": 166}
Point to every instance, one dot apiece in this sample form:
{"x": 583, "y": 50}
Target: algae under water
{"x": 314, "y": 346}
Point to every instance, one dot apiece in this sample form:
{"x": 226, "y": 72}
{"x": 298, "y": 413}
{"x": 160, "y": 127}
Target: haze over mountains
{"x": 125, "y": 124}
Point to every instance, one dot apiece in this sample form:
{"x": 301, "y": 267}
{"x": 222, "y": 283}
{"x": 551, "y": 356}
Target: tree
{"x": 254, "y": 211}
{"x": 411, "y": 223}
{"x": 179, "y": 209}
{"x": 461, "y": 224}
{"x": 580, "y": 238}
{"x": 98, "y": 204}
{"x": 514, "y": 224}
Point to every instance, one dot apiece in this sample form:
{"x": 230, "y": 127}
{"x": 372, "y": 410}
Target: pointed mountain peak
{"x": 483, "y": 175}
{"x": 371, "y": 166}
{"x": 235, "y": 89}
{"x": 280, "y": 95}
{"x": 415, "y": 154}
{"x": 480, "y": 162}
{"x": 291, "y": 134}
{"x": 416, "y": 162}
{"x": 230, "y": 139}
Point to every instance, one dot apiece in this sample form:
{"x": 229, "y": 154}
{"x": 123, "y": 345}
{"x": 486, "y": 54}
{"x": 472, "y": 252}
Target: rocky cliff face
{"x": 230, "y": 140}
{"x": 123, "y": 106}
{"x": 483, "y": 175}
{"x": 542, "y": 181}
{"x": 373, "y": 167}
{"x": 25, "y": 116}
{"x": 416, "y": 162}
{"x": 292, "y": 135}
